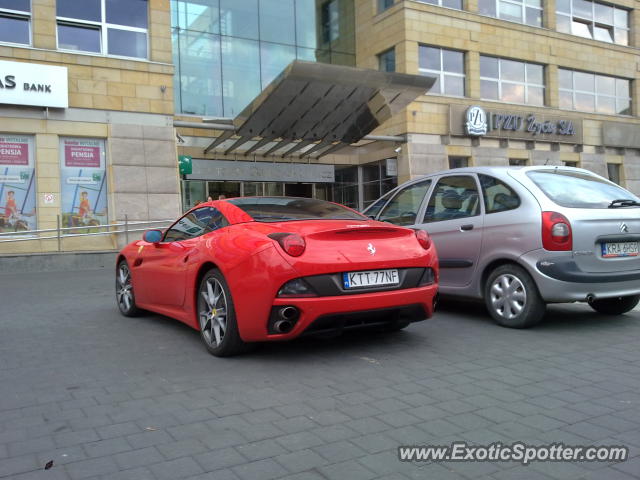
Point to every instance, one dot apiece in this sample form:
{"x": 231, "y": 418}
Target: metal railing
{"x": 60, "y": 233}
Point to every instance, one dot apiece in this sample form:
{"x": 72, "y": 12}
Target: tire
{"x": 217, "y": 316}
{"x": 125, "y": 297}
{"x": 512, "y": 298}
{"x": 615, "y": 305}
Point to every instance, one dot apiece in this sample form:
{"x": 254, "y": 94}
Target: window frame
{"x": 103, "y": 27}
{"x": 525, "y": 84}
{"x": 523, "y": 4}
{"x": 382, "y": 56}
{"x": 592, "y": 23}
{"x": 479, "y": 206}
{"x": 438, "y": 3}
{"x": 427, "y": 182}
{"x": 20, "y": 15}
{"x": 190, "y": 212}
{"x": 441, "y": 73}
{"x": 595, "y": 93}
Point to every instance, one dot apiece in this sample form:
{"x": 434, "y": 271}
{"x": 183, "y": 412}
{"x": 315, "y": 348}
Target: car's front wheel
{"x": 217, "y": 317}
{"x": 124, "y": 291}
{"x": 615, "y": 305}
{"x": 512, "y": 298}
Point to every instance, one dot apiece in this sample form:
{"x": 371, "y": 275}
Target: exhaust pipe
{"x": 288, "y": 313}
{"x": 287, "y": 318}
{"x": 591, "y": 297}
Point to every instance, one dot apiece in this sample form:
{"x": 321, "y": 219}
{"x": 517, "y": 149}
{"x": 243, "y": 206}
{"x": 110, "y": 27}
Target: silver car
{"x": 522, "y": 237}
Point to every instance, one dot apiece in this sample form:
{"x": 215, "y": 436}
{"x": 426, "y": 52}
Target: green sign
{"x": 185, "y": 165}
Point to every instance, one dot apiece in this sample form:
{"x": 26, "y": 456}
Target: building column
{"x": 472, "y": 74}
{"x": 549, "y": 14}
{"x": 470, "y": 5}
{"x": 634, "y": 25}
{"x": 551, "y": 95}
{"x": 43, "y": 23}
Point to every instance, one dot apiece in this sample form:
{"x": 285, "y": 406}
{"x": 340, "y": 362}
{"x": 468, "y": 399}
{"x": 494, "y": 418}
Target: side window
{"x": 403, "y": 208}
{"x": 498, "y": 197}
{"x": 196, "y": 223}
{"x": 375, "y": 207}
{"x": 454, "y": 197}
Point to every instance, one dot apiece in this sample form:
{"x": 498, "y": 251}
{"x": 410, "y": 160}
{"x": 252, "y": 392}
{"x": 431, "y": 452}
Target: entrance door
{"x": 298, "y": 190}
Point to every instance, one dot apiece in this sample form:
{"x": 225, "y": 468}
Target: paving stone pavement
{"x": 108, "y": 397}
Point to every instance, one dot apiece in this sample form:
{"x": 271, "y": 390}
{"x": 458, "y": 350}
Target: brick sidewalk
{"x": 108, "y": 397}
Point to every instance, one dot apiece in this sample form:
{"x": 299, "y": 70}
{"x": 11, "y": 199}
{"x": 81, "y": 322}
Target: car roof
{"x": 501, "y": 170}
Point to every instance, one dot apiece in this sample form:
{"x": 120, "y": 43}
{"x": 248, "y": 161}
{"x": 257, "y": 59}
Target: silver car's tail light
{"x": 556, "y": 232}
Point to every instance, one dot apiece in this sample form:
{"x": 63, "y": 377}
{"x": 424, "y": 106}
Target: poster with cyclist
{"x": 17, "y": 184}
{"x": 84, "y": 186}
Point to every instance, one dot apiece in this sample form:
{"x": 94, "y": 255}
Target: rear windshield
{"x": 279, "y": 209}
{"x": 578, "y": 189}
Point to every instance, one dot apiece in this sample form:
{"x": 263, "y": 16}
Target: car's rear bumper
{"x": 560, "y": 279}
{"x": 318, "y": 314}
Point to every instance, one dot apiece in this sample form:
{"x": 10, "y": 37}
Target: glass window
{"x": 14, "y": 29}
{"x": 196, "y": 223}
{"x": 448, "y": 68}
{"x": 613, "y": 172}
{"x": 122, "y": 31}
{"x": 18, "y": 200}
{"x": 595, "y": 20}
{"x": 126, "y": 43}
{"x": 384, "y": 4}
{"x": 85, "y": 10}
{"x": 403, "y": 208}
{"x": 132, "y": 13}
{"x": 456, "y": 4}
{"x": 387, "y": 60}
{"x": 375, "y": 207}
{"x": 329, "y": 21}
{"x": 193, "y": 193}
{"x": 15, "y": 21}
{"x": 239, "y": 18}
{"x": 511, "y": 81}
{"x": 453, "y": 197}
{"x": 196, "y": 15}
{"x": 197, "y": 61}
{"x": 529, "y": 12}
{"x": 273, "y": 60}
{"x": 306, "y": 23}
{"x": 497, "y": 195}
{"x": 278, "y": 209}
{"x": 578, "y": 189}
{"x": 458, "y": 162}
{"x": 241, "y": 79}
{"x": 277, "y": 22}
{"x": 75, "y": 37}
{"x": 590, "y": 92}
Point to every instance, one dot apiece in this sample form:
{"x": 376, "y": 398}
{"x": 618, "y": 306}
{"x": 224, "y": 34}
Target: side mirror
{"x": 152, "y": 236}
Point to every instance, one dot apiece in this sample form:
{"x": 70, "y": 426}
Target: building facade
{"x": 98, "y": 100}
{"x": 86, "y": 119}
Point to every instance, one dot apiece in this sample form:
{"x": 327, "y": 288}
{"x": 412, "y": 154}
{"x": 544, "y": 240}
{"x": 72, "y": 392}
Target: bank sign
{"x": 33, "y": 85}
{"x": 476, "y": 121}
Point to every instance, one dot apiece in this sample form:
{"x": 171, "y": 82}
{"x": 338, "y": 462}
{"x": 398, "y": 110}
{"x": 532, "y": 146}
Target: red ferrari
{"x": 259, "y": 269}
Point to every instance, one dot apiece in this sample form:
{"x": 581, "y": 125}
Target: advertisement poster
{"x": 17, "y": 184}
{"x": 84, "y": 183}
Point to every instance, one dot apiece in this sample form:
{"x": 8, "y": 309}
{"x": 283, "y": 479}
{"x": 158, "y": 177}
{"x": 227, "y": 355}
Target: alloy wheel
{"x": 124, "y": 288}
{"x": 508, "y": 296}
{"x": 213, "y": 316}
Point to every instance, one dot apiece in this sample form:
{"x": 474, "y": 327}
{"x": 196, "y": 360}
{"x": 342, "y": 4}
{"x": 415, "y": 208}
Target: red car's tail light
{"x": 296, "y": 288}
{"x": 423, "y": 239}
{"x": 556, "y": 232}
{"x": 292, "y": 243}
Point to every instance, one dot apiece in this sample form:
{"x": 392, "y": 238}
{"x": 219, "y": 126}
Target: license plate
{"x": 620, "y": 249}
{"x": 370, "y": 278}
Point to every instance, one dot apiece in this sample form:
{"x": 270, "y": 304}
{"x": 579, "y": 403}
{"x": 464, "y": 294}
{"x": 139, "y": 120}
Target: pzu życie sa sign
{"x": 478, "y": 123}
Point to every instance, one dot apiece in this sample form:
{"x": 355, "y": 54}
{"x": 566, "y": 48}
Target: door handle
{"x": 467, "y": 227}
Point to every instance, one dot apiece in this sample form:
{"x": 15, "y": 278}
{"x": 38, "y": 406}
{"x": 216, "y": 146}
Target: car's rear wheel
{"x": 512, "y": 298}
{"x": 217, "y": 317}
{"x": 615, "y": 305}
{"x": 124, "y": 291}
